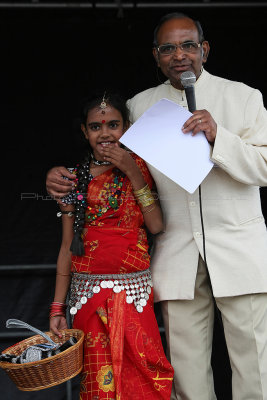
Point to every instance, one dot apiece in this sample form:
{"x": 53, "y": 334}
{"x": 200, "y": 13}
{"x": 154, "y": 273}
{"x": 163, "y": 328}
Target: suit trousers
{"x": 189, "y": 332}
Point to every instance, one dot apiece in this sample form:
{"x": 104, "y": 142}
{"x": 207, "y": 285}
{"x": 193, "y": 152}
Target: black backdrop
{"x": 50, "y": 60}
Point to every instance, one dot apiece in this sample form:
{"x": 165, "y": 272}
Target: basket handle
{"x": 16, "y": 323}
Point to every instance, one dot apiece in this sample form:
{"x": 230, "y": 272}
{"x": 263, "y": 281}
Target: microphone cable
{"x": 202, "y": 228}
{"x": 218, "y": 313}
{"x": 188, "y": 80}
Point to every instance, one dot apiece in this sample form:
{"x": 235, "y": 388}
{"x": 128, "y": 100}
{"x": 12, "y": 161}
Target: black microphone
{"x": 188, "y": 79}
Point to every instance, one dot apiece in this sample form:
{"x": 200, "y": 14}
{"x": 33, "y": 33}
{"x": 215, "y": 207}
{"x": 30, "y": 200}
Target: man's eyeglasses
{"x": 170, "y": 48}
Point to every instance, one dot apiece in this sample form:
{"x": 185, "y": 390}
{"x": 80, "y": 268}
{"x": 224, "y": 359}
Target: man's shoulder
{"x": 146, "y": 94}
{"x": 220, "y": 95}
{"x": 229, "y": 84}
{"x": 145, "y": 99}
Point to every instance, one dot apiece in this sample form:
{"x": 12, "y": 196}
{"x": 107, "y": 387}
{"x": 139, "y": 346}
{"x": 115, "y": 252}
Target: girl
{"x": 104, "y": 254}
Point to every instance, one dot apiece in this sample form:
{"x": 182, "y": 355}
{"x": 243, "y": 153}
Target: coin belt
{"x": 137, "y": 286}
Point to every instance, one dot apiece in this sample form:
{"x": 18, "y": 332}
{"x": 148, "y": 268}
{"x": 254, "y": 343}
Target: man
{"x": 234, "y": 121}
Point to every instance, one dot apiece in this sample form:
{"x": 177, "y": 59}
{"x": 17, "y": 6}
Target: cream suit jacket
{"x": 235, "y": 231}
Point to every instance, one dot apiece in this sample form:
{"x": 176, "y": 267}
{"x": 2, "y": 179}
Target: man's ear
{"x": 156, "y": 56}
{"x": 206, "y": 50}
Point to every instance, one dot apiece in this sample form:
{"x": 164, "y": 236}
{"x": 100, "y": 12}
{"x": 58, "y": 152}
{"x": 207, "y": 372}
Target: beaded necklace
{"x": 99, "y": 162}
{"x": 113, "y": 200}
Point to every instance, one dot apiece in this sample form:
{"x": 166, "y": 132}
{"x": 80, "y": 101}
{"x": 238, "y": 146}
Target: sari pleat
{"x": 123, "y": 354}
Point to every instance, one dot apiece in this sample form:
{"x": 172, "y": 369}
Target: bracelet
{"x": 69, "y": 213}
{"x": 142, "y": 191}
{"x": 57, "y": 309}
{"x": 58, "y": 273}
{"x": 144, "y": 196}
{"x": 56, "y": 315}
{"x": 149, "y": 210}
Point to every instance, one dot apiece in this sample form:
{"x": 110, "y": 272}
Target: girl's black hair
{"x": 176, "y": 15}
{"x": 112, "y": 99}
{"x": 83, "y": 169}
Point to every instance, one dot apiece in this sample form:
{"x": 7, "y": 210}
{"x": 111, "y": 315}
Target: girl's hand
{"x": 121, "y": 159}
{"x": 57, "y": 324}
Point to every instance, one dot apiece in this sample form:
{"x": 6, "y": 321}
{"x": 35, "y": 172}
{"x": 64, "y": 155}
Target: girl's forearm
{"x": 63, "y": 276}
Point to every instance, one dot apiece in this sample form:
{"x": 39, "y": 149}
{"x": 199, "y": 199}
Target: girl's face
{"x": 103, "y": 130}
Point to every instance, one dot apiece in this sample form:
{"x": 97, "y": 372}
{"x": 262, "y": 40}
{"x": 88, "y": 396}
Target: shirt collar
{"x": 199, "y": 82}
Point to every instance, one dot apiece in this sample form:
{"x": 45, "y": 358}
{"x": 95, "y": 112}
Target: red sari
{"x": 123, "y": 354}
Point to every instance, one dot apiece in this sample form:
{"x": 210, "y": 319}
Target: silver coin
{"x": 142, "y": 302}
{"x": 96, "y": 289}
{"x": 126, "y": 287}
{"x": 103, "y": 284}
{"x": 117, "y": 289}
{"x": 129, "y": 299}
{"x": 133, "y": 291}
{"x": 148, "y": 289}
{"x": 139, "y": 308}
{"x": 110, "y": 284}
{"x": 84, "y": 300}
{"x": 146, "y": 296}
{"x": 73, "y": 310}
{"x": 78, "y": 305}
{"x": 89, "y": 295}
{"x": 116, "y": 282}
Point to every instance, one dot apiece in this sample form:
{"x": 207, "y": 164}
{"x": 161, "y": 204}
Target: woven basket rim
{"x": 8, "y": 365}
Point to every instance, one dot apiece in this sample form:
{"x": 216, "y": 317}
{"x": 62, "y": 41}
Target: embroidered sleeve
{"x": 144, "y": 169}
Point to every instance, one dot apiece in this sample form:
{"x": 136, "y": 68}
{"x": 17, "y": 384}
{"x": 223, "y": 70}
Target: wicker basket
{"x": 50, "y": 371}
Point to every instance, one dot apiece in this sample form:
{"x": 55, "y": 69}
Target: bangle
{"x": 145, "y": 201}
{"x": 142, "y": 191}
{"x": 144, "y": 196}
{"x": 59, "y": 273}
{"x": 149, "y": 210}
{"x": 56, "y": 315}
{"x": 57, "y": 309}
{"x": 69, "y": 213}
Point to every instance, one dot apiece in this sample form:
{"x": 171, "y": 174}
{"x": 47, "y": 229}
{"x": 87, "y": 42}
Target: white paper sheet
{"x": 157, "y": 138}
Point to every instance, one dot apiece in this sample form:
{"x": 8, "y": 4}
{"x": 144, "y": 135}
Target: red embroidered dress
{"x": 123, "y": 354}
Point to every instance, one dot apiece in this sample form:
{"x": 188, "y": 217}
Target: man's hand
{"x": 201, "y": 120}
{"x": 56, "y": 185}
